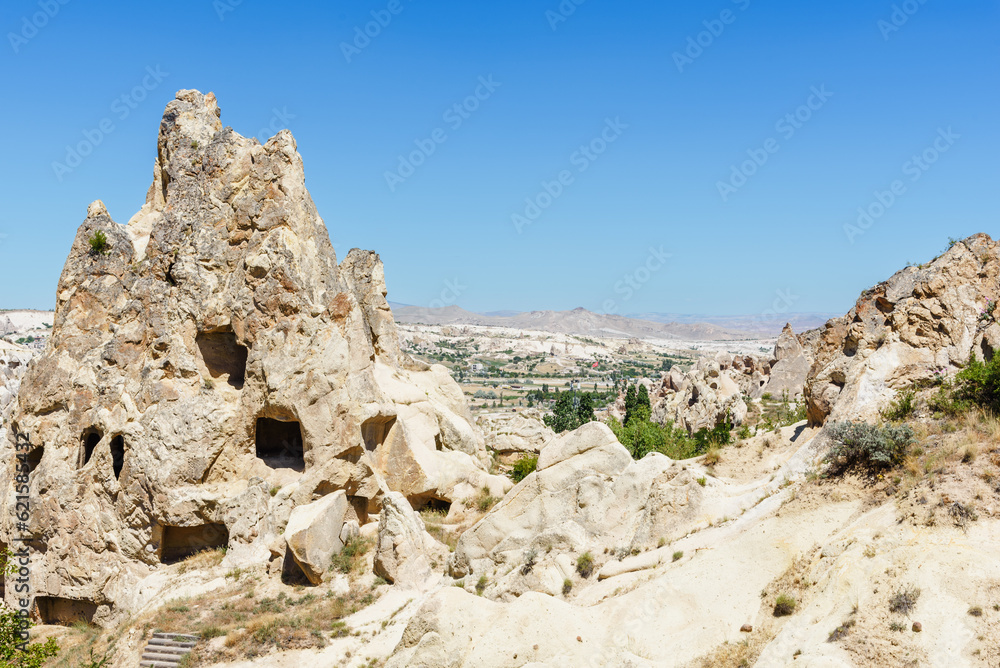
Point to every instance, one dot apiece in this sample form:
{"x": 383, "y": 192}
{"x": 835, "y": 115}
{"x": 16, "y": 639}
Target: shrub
{"x": 784, "y": 605}
{"x": 976, "y": 611}
{"x": 567, "y": 586}
{"x": 902, "y": 408}
{"x": 351, "y": 555}
{"x": 979, "y": 384}
{"x": 585, "y": 565}
{"x": 868, "y": 446}
{"x": 904, "y": 601}
{"x": 841, "y": 631}
{"x": 529, "y": 561}
{"x": 702, "y": 481}
{"x": 525, "y": 466}
{"x": 99, "y": 243}
{"x": 678, "y": 555}
{"x": 641, "y": 437}
{"x": 481, "y": 585}
{"x": 485, "y": 501}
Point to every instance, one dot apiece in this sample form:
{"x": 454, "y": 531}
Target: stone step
{"x": 158, "y": 664}
{"x": 162, "y": 642}
{"x": 172, "y": 648}
{"x": 184, "y": 637}
{"x": 160, "y": 658}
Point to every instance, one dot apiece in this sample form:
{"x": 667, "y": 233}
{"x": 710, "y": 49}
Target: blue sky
{"x": 640, "y": 222}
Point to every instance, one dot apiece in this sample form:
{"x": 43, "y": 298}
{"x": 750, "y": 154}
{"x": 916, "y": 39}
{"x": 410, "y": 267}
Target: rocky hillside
{"x": 923, "y": 322}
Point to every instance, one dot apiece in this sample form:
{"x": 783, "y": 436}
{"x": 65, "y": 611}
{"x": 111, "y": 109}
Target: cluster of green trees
{"x": 641, "y": 435}
{"x": 572, "y": 410}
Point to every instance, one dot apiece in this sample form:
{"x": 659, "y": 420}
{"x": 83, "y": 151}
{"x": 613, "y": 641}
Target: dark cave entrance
{"x": 64, "y": 611}
{"x": 179, "y": 543}
{"x": 279, "y": 444}
{"x": 118, "y": 455}
{"x": 88, "y": 442}
{"x": 376, "y": 430}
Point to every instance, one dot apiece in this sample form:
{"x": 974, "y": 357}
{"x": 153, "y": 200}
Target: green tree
{"x": 585, "y": 410}
{"x": 564, "y": 416}
{"x": 629, "y": 404}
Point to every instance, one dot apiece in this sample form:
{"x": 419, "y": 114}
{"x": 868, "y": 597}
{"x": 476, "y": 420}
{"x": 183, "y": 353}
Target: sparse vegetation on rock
{"x": 868, "y": 446}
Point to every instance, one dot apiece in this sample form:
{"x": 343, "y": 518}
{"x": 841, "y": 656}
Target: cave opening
{"x": 64, "y": 611}
{"x": 179, "y": 543}
{"x": 375, "y": 431}
{"x": 225, "y": 359}
{"x": 88, "y": 443}
{"x": 279, "y": 443}
{"x": 118, "y": 455}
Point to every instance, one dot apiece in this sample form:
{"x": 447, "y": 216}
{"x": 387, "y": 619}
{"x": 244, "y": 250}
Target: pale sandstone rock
{"x": 405, "y": 551}
{"x": 922, "y": 321}
{"x": 515, "y": 432}
{"x": 219, "y": 305}
{"x": 313, "y": 534}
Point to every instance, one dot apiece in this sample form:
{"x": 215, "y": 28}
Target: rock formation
{"x": 211, "y": 354}
{"x": 587, "y": 495}
{"x": 923, "y": 321}
{"x": 509, "y": 433}
{"x": 718, "y": 388}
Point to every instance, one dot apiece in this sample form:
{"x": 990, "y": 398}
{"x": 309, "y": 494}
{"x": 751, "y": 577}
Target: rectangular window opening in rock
{"x": 225, "y": 360}
{"x": 179, "y": 543}
{"x": 375, "y": 431}
{"x": 279, "y": 443}
{"x": 63, "y": 611}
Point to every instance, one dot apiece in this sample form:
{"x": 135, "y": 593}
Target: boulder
{"x": 587, "y": 494}
{"x": 405, "y": 554}
{"x": 509, "y": 433}
{"x": 313, "y": 534}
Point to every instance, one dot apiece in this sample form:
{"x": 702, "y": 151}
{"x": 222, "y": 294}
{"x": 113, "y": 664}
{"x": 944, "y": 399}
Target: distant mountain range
{"x": 581, "y": 322}
{"x": 756, "y": 325}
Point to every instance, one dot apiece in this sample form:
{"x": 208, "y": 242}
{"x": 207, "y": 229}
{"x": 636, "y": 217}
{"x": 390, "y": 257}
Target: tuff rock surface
{"x": 922, "y": 322}
{"x": 717, "y": 388}
{"x": 213, "y": 353}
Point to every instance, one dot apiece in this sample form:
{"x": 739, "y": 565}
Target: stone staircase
{"x": 165, "y": 650}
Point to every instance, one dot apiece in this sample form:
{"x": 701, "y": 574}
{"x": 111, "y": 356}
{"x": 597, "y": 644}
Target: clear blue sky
{"x": 656, "y": 185}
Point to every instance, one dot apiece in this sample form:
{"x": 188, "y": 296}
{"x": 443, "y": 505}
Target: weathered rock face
{"x": 214, "y": 342}
{"x": 313, "y": 533}
{"x": 516, "y": 432}
{"x": 717, "y": 388}
{"x": 921, "y": 322}
{"x": 587, "y": 495}
{"x": 405, "y": 553}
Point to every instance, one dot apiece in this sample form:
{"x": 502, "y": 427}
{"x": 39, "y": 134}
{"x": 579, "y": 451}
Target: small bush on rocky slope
{"x": 784, "y": 605}
{"x": 872, "y": 447}
{"x": 525, "y": 466}
{"x": 904, "y": 601}
{"x": 978, "y": 384}
{"x": 351, "y": 556}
